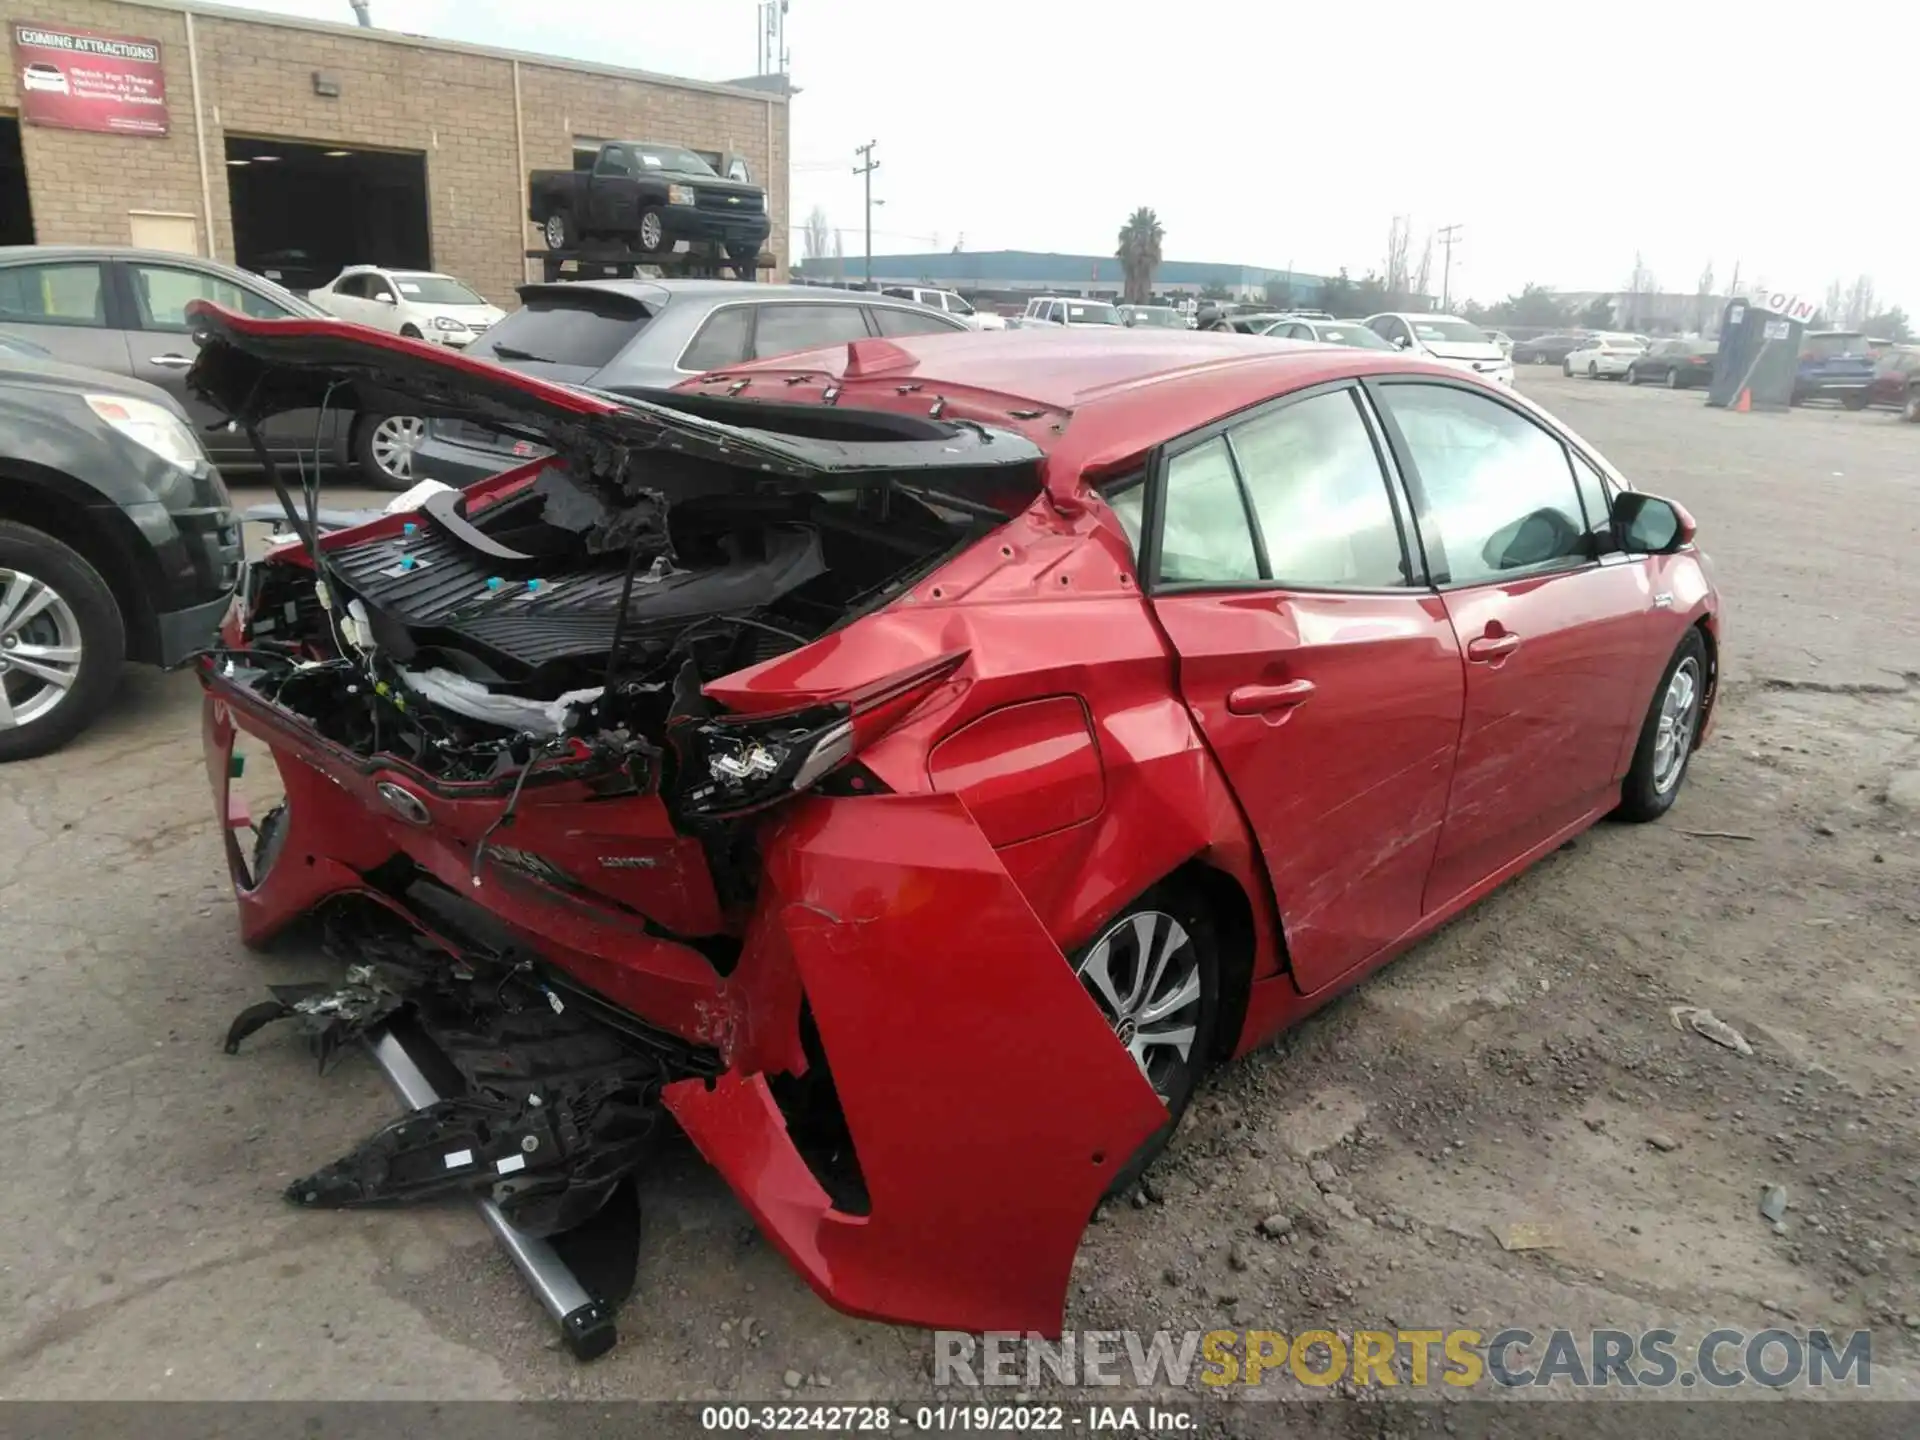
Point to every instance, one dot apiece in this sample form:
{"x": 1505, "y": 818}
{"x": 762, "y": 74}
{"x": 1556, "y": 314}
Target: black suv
{"x": 117, "y": 542}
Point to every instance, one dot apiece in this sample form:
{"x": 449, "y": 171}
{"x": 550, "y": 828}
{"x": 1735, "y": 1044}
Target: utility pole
{"x": 866, "y": 153}
{"x": 1447, "y": 232}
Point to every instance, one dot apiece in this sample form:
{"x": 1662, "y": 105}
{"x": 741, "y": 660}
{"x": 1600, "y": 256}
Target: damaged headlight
{"x": 735, "y": 765}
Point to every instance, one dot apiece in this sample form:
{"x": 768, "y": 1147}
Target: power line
{"x": 1447, "y": 232}
{"x": 866, "y": 172}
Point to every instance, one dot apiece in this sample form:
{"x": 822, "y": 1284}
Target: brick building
{"x": 341, "y": 143}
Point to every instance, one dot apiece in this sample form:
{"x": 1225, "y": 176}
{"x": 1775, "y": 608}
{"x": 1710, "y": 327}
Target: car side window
{"x": 1204, "y": 532}
{"x": 615, "y": 161}
{"x": 1499, "y": 489}
{"x": 351, "y": 286}
{"x": 378, "y": 288}
{"x": 721, "y": 341}
{"x": 53, "y": 295}
{"x": 783, "y": 329}
{"x": 1320, "y": 496}
{"x": 161, "y": 294}
{"x": 910, "y": 322}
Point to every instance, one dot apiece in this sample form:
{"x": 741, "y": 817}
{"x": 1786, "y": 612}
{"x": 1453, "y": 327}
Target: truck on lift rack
{"x": 636, "y": 202}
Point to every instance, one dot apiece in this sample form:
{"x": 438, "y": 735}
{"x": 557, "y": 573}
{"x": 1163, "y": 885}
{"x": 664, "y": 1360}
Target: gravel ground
{"x": 1520, "y": 1068}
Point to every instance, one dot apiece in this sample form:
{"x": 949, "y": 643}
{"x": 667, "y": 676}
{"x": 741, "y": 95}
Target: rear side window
{"x": 910, "y": 322}
{"x": 162, "y": 293}
{"x": 721, "y": 341}
{"x": 53, "y": 295}
{"x": 1320, "y": 496}
{"x": 564, "y": 332}
{"x": 1205, "y": 536}
{"x": 783, "y": 329}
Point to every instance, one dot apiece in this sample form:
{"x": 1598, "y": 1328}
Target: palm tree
{"x": 1139, "y": 254}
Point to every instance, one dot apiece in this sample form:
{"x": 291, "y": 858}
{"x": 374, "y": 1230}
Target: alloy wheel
{"x": 651, "y": 233}
{"x": 1679, "y": 713}
{"x": 395, "y": 440}
{"x": 1144, "y": 974}
{"x": 40, "y": 649}
{"x": 556, "y": 231}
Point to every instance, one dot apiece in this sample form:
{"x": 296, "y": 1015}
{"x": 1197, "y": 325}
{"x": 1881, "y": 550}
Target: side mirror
{"x": 385, "y": 297}
{"x": 1401, "y": 342}
{"x": 1648, "y": 525}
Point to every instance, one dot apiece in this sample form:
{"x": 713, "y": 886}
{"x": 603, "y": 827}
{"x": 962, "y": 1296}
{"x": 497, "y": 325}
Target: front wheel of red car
{"x": 1666, "y": 738}
{"x": 1154, "y": 973}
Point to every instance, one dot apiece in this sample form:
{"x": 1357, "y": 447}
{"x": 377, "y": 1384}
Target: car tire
{"x": 383, "y": 449}
{"x": 650, "y": 230}
{"x": 1667, "y": 735}
{"x": 1566, "y": 368}
{"x": 1633, "y": 376}
{"x": 1593, "y": 369}
{"x": 411, "y": 332}
{"x": 1172, "y": 915}
{"x": 1855, "y": 400}
{"x": 1674, "y": 382}
{"x": 1911, "y": 414}
{"x": 559, "y": 231}
{"x": 40, "y": 716}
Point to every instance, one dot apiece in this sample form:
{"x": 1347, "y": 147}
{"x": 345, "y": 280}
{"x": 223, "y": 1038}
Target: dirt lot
{"x": 1521, "y": 1067}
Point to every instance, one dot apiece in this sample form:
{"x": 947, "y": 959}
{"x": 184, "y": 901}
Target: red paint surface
{"x": 1055, "y": 744}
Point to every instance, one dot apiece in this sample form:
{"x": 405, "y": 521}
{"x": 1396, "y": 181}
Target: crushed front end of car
{"x": 574, "y": 782}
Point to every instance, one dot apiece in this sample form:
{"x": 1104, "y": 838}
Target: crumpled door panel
{"x": 989, "y": 1104}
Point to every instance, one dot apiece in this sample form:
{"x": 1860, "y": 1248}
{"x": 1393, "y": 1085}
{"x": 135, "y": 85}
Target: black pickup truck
{"x": 650, "y": 196}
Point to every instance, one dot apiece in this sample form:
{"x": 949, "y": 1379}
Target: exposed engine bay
{"x": 461, "y": 644}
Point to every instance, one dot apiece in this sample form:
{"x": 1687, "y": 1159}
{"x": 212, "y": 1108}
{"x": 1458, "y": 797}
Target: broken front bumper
{"x": 989, "y": 1106}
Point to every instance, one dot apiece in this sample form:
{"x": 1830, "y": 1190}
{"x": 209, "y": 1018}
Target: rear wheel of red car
{"x": 1154, "y": 974}
{"x": 1666, "y": 738}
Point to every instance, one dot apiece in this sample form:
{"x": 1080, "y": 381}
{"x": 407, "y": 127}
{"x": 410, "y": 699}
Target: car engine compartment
{"x": 460, "y": 643}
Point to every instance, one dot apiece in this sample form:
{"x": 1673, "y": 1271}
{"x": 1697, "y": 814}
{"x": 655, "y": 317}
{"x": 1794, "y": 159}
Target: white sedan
{"x": 1605, "y": 356}
{"x": 417, "y": 303}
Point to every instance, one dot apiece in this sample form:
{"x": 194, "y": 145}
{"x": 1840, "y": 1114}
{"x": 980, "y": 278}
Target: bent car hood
{"x": 252, "y": 369}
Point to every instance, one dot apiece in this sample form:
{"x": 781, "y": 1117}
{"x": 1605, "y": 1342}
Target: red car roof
{"x": 1125, "y": 390}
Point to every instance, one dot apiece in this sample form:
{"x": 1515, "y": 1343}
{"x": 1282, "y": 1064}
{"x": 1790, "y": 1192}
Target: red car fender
{"x": 989, "y": 1104}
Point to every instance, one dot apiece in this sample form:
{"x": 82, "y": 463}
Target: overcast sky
{"x": 1560, "y": 138}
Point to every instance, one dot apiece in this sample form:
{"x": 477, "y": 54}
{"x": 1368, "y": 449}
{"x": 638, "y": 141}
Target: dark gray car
{"x": 651, "y": 335}
{"x": 117, "y": 542}
{"x": 124, "y": 311}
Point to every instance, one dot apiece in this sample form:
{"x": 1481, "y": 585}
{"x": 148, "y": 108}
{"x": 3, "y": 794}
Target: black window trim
{"x": 1439, "y": 577}
{"x": 1170, "y": 450}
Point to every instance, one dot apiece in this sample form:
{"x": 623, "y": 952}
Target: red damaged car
{"x": 911, "y": 764}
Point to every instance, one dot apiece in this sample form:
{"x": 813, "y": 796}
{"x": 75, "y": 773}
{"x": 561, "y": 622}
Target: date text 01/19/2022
{"x": 955, "y": 1419}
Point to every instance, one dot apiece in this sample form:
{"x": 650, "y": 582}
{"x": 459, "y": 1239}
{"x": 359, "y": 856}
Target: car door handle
{"x": 1492, "y": 647}
{"x": 170, "y": 362}
{"x": 1264, "y": 699}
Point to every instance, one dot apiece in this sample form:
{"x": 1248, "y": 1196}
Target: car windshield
{"x": 1078, "y": 314}
{"x": 1358, "y": 336}
{"x": 1158, "y": 315}
{"x": 1456, "y": 332}
{"x": 1833, "y": 344}
{"x": 672, "y": 157}
{"x": 436, "y": 290}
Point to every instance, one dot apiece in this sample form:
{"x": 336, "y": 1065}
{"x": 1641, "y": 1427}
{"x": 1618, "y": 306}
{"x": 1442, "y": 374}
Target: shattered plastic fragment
{"x": 1705, "y": 1022}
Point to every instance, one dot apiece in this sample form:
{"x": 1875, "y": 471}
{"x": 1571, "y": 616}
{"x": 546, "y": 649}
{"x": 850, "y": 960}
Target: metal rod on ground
{"x": 585, "y": 1322}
